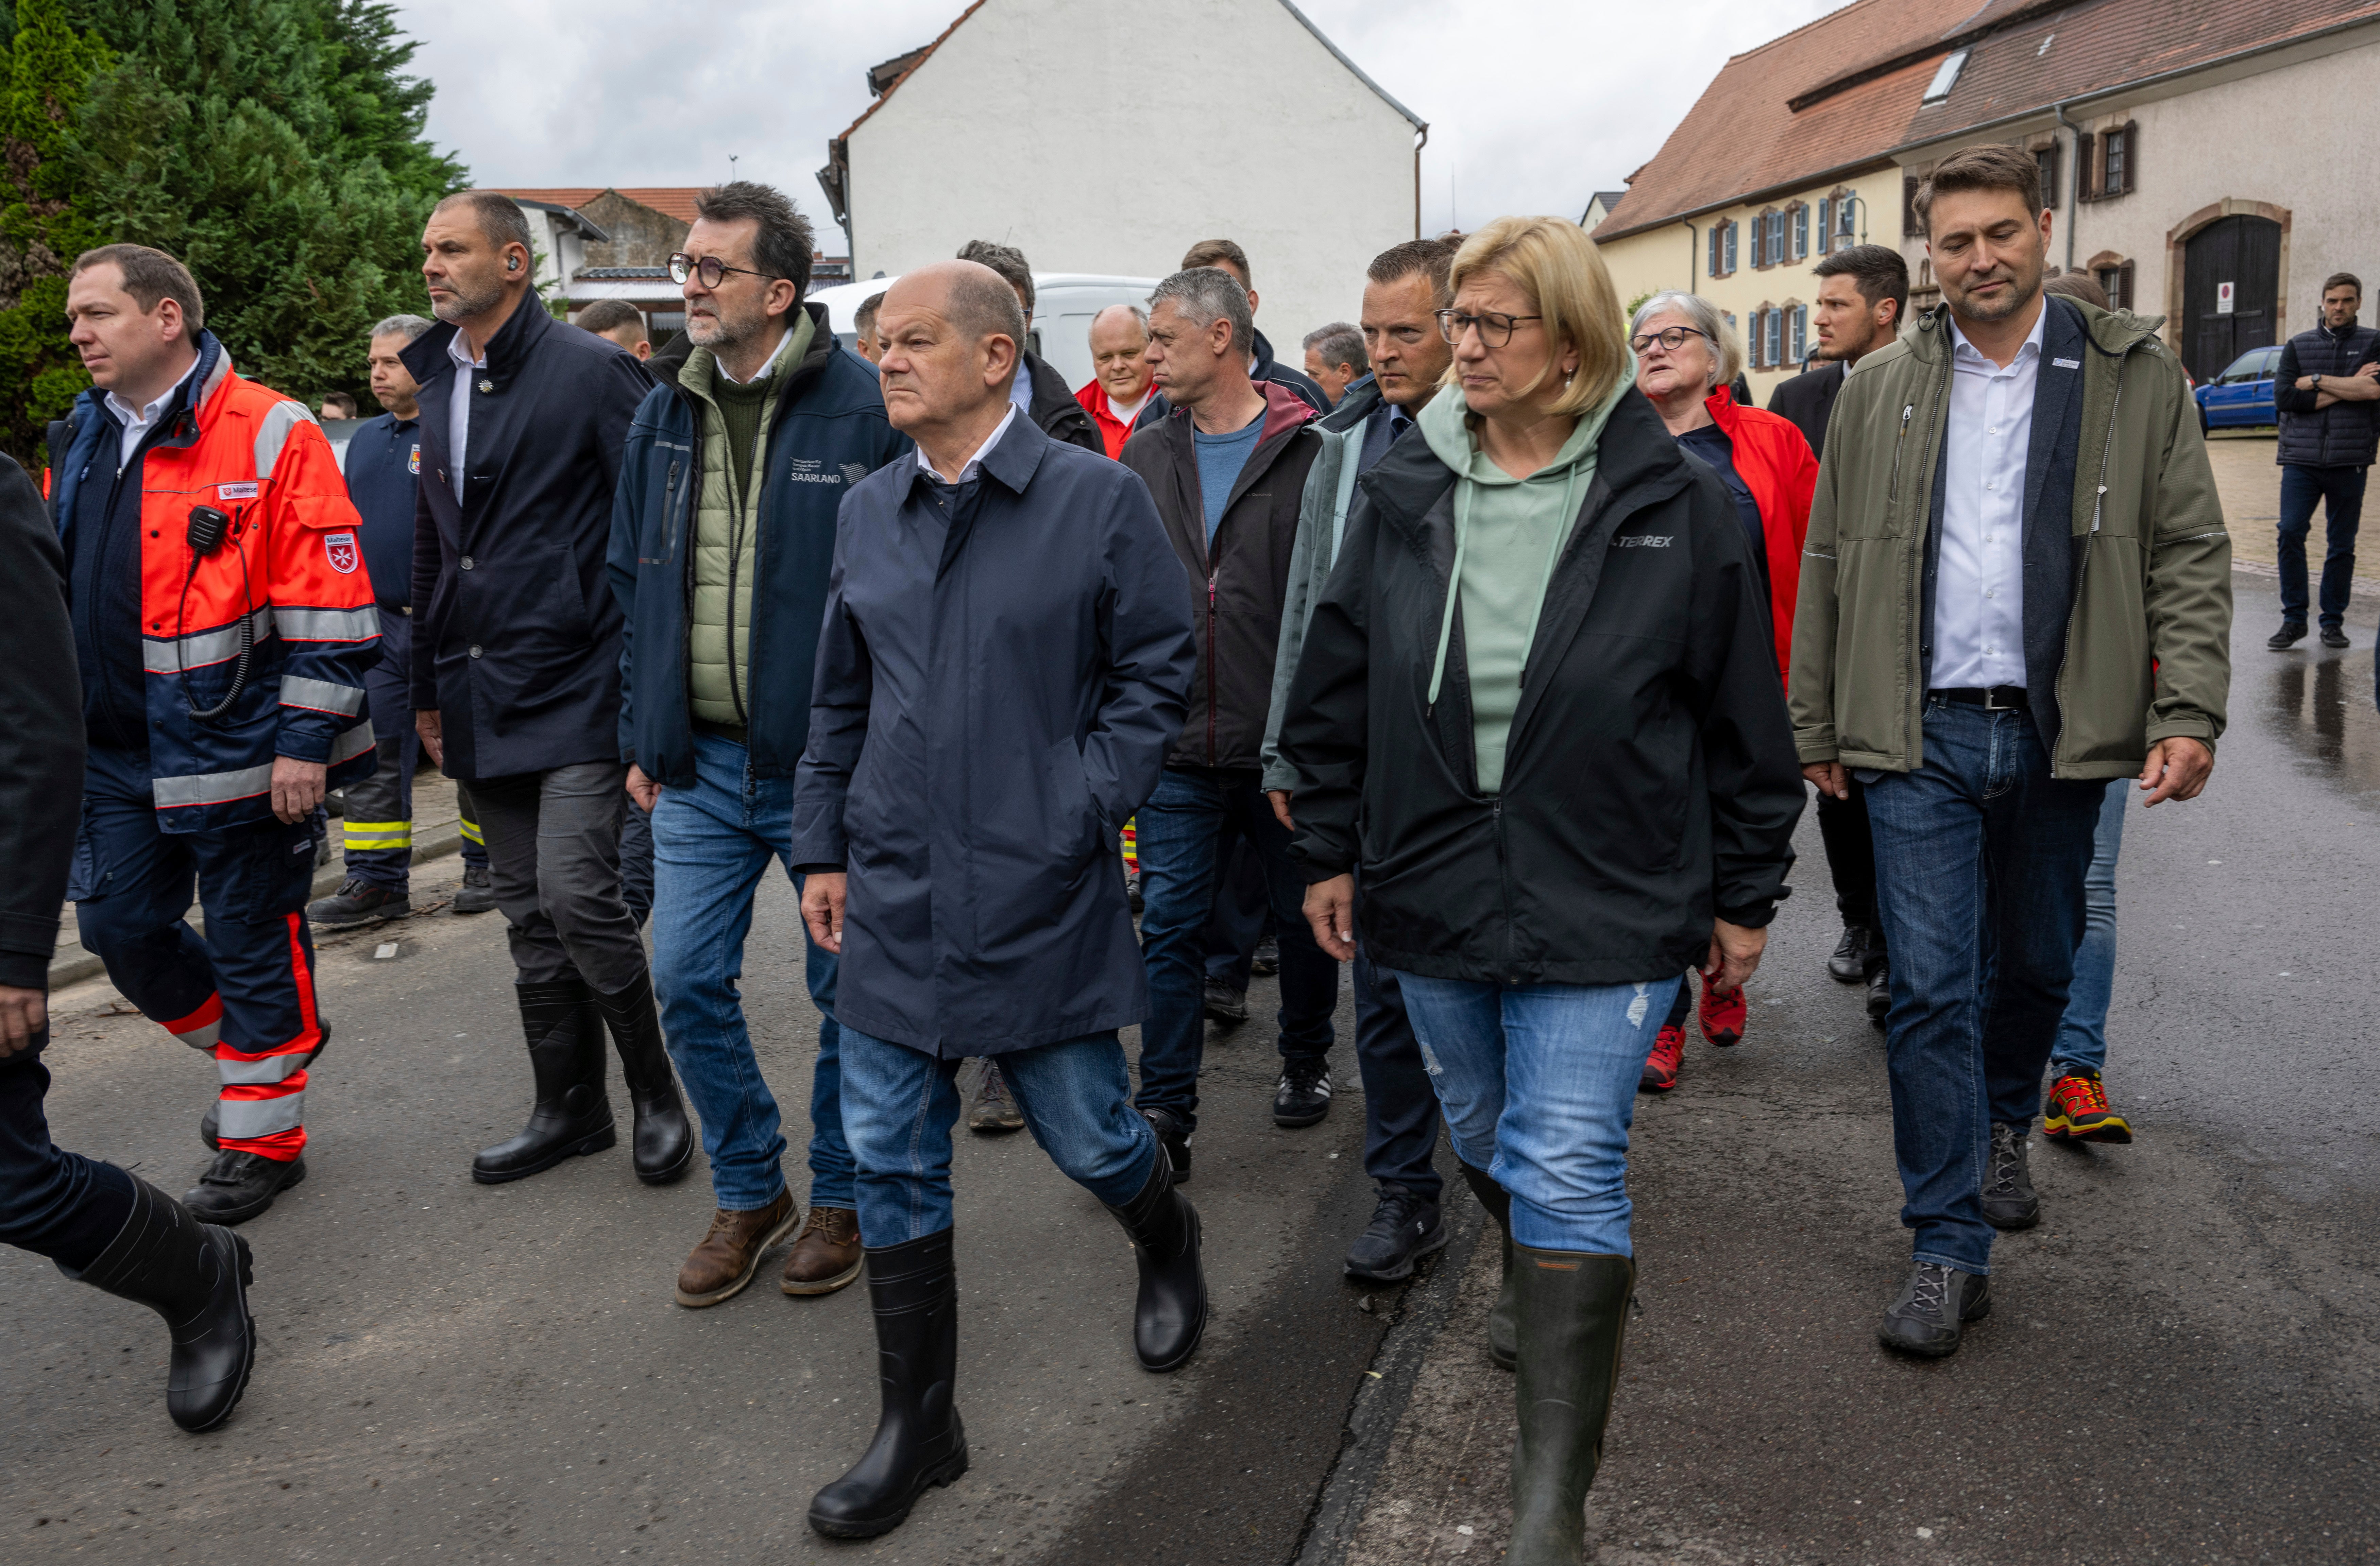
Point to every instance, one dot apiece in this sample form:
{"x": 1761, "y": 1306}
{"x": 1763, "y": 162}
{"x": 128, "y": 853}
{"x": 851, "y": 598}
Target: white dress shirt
{"x": 138, "y": 420}
{"x": 966, "y": 471}
{"x": 458, "y": 407}
{"x": 1020, "y": 391}
{"x": 1979, "y": 592}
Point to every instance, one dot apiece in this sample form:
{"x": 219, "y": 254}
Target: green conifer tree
{"x": 45, "y": 66}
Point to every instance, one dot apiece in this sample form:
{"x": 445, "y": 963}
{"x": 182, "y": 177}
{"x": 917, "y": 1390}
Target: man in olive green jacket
{"x": 2016, "y": 587}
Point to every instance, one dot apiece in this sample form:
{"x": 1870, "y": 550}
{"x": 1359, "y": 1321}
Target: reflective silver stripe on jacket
{"x": 171, "y": 655}
{"x": 321, "y": 696}
{"x": 352, "y": 743}
{"x": 272, "y": 1068}
{"x": 213, "y": 788}
{"x": 327, "y": 625}
{"x": 247, "y": 1118}
{"x": 273, "y": 433}
{"x": 246, "y": 783}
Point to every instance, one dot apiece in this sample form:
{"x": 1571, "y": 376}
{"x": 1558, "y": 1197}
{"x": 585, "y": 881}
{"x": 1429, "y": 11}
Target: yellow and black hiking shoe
{"x": 2078, "y": 1112}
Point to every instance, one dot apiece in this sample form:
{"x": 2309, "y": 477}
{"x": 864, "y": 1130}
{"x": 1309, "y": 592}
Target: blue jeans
{"x": 1980, "y": 858}
{"x": 2082, "y": 1032}
{"x": 1183, "y": 829}
{"x": 2340, "y": 491}
{"x": 713, "y": 843}
{"x": 1539, "y": 1085}
{"x": 899, "y": 1105}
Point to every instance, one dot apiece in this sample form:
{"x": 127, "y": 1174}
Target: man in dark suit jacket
{"x": 1862, "y": 293}
{"x": 517, "y": 669}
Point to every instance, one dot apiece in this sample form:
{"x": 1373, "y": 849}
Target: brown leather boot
{"x": 826, "y": 1255}
{"x": 730, "y": 1254}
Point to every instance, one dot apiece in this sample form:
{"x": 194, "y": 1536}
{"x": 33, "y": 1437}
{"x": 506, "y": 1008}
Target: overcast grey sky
{"x": 1531, "y": 104}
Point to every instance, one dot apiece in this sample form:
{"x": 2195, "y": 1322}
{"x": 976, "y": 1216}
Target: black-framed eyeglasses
{"x": 1495, "y": 328}
{"x": 711, "y": 269}
{"x": 1671, "y": 338}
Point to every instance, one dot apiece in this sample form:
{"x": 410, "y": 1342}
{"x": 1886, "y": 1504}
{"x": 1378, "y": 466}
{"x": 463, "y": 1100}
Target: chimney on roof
{"x": 881, "y": 77}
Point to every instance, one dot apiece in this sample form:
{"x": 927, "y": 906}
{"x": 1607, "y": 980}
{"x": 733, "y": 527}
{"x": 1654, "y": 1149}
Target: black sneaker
{"x": 2008, "y": 1198}
{"x": 1849, "y": 964}
{"x": 1404, "y": 1228}
{"x": 2334, "y": 636}
{"x": 1879, "y": 995}
{"x": 1304, "y": 1096}
{"x": 1171, "y": 1140}
{"x": 1267, "y": 960}
{"x": 358, "y": 903}
{"x": 1933, "y": 1310}
{"x": 1225, "y": 1004}
{"x": 237, "y": 1186}
{"x": 2291, "y": 633}
{"x": 477, "y": 893}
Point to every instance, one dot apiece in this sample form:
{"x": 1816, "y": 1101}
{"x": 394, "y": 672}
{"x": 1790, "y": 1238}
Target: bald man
{"x": 1006, "y": 654}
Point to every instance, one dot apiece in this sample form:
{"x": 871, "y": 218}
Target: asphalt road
{"x": 455, "y": 1372}
{"x": 2182, "y": 1365}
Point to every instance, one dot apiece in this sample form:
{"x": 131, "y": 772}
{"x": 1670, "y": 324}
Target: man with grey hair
{"x": 1227, "y": 466}
{"x": 517, "y": 670}
{"x": 1334, "y": 358}
{"x": 383, "y": 469}
{"x": 1040, "y": 391}
{"x": 1006, "y": 652}
{"x": 1120, "y": 374}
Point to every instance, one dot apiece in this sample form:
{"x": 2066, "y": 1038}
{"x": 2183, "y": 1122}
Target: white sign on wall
{"x": 2223, "y": 292}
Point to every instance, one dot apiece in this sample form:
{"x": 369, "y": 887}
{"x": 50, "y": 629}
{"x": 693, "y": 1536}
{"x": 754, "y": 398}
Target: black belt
{"x": 1997, "y": 698}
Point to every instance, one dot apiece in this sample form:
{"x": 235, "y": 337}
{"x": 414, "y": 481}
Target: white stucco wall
{"x": 1106, "y": 137}
{"x": 2266, "y": 139}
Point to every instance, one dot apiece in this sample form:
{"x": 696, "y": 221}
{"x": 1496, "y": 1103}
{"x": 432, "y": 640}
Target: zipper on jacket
{"x": 1892, "y": 484}
{"x": 1210, "y": 670}
{"x": 734, "y": 556}
{"x": 1504, "y": 886}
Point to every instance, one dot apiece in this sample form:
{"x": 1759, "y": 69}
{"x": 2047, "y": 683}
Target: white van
{"x": 1064, "y": 304}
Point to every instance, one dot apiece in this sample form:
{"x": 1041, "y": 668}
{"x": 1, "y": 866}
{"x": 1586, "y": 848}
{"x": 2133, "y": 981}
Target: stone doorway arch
{"x": 2177, "y": 281}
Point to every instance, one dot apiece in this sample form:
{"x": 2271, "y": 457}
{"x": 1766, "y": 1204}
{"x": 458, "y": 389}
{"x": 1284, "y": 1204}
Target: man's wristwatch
{"x": 2317, "y": 382}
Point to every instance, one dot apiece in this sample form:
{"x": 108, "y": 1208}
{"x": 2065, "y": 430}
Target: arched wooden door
{"x": 2231, "y": 271}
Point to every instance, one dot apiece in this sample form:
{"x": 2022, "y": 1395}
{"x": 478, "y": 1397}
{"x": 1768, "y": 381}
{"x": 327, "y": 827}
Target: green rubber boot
{"x": 1502, "y": 1333}
{"x": 1573, "y": 1315}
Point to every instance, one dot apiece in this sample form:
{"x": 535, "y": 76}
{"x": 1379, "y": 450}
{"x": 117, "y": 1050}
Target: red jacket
{"x": 1113, "y": 431}
{"x": 290, "y": 567}
{"x": 1773, "y": 459}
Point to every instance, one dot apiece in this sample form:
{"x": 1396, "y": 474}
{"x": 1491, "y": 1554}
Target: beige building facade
{"x": 2191, "y": 159}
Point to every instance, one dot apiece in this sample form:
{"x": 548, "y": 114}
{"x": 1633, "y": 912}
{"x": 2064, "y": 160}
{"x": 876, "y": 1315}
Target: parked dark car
{"x": 2243, "y": 396}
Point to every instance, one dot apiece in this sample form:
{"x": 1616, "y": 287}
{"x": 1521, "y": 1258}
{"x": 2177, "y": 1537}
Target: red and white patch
{"x": 236, "y": 492}
{"x": 341, "y": 548}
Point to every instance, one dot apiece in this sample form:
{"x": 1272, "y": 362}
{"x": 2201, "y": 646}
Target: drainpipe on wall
{"x": 1421, "y": 140}
{"x": 1693, "y": 258}
{"x": 2075, "y": 207}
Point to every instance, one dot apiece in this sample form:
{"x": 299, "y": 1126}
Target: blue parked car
{"x": 2243, "y": 395}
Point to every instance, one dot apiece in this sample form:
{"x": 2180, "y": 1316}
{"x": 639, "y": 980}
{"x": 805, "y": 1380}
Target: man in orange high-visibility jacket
{"x": 223, "y": 622}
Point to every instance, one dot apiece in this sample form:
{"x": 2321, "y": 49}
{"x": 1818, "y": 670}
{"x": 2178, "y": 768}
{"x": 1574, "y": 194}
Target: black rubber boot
{"x": 662, "y": 1141}
{"x": 919, "y": 1440}
{"x": 1170, "y": 1317}
{"x": 196, "y": 1276}
{"x": 1573, "y": 1312}
{"x": 573, "y": 1114}
{"x": 1503, "y": 1336}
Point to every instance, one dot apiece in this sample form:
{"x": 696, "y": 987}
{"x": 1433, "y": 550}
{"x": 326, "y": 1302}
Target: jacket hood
{"x": 2112, "y": 332}
{"x": 1445, "y": 423}
{"x": 1363, "y": 399}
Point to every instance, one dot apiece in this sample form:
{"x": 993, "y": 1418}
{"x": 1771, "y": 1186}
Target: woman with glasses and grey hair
{"x": 1538, "y": 702}
{"x": 1687, "y": 356}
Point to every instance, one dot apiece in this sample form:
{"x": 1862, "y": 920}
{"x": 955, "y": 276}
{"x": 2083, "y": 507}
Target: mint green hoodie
{"x": 1508, "y": 533}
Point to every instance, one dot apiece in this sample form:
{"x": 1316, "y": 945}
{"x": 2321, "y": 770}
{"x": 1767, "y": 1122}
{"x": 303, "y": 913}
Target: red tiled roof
{"x": 672, "y": 200}
{"x": 2103, "y": 45}
{"x": 1741, "y": 137}
{"x": 1859, "y": 75}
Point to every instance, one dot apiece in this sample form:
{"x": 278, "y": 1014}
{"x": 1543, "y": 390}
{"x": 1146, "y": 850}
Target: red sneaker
{"x": 2078, "y": 1112}
{"x": 1722, "y": 1015}
{"x": 1662, "y": 1065}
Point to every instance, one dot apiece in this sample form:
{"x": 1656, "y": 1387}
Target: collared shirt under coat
{"x": 1979, "y": 593}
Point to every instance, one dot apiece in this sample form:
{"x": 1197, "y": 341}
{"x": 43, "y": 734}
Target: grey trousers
{"x": 553, "y": 858}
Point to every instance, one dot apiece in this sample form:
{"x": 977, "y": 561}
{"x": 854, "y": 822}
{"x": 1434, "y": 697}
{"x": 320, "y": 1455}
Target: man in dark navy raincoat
{"x": 1006, "y": 655}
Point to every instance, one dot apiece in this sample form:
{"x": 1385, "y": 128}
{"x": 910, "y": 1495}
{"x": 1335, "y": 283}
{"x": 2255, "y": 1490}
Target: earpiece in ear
{"x": 512, "y": 264}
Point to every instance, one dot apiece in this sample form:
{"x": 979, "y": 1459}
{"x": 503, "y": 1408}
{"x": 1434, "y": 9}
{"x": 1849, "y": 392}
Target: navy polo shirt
{"x": 383, "y": 470}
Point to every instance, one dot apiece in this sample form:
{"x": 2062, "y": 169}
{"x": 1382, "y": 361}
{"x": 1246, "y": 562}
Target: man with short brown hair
{"x": 619, "y": 321}
{"x": 1226, "y": 255}
{"x": 1974, "y": 641}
